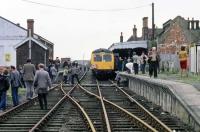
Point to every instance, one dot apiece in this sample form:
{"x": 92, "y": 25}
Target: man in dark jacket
{"x": 29, "y": 72}
{"x": 4, "y": 86}
{"x": 15, "y": 80}
{"x": 41, "y": 83}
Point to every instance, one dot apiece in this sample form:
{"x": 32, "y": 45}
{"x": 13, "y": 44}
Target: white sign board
{"x": 193, "y": 59}
{"x": 198, "y": 59}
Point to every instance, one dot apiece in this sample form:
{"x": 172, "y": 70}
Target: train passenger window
{"x": 97, "y": 58}
{"x": 107, "y": 58}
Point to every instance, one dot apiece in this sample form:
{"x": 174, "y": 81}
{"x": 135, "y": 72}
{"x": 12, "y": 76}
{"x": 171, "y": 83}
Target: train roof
{"x": 102, "y": 50}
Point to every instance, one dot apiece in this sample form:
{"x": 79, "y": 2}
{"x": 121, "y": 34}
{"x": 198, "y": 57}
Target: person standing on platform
{"x": 124, "y": 64}
{"x": 4, "y": 86}
{"x": 120, "y": 64}
{"x": 153, "y": 62}
{"x": 29, "y": 72}
{"x": 143, "y": 60}
{"x": 183, "y": 60}
{"x": 75, "y": 72}
{"x": 41, "y": 84}
{"x": 15, "y": 80}
{"x": 135, "y": 63}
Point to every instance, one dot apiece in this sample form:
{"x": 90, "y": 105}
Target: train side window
{"x": 97, "y": 58}
{"x": 107, "y": 58}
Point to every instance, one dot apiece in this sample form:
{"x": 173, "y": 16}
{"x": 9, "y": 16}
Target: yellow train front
{"x": 102, "y": 63}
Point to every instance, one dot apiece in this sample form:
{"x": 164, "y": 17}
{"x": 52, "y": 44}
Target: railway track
{"x": 130, "y": 106}
{"x": 29, "y": 117}
{"x": 97, "y": 106}
{"x": 67, "y": 115}
{"x": 24, "y": 116}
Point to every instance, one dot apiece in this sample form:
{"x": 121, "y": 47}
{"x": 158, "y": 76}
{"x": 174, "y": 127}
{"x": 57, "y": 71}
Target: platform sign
{"x": 193, "y": 59}
{"x": 7, "y": 57}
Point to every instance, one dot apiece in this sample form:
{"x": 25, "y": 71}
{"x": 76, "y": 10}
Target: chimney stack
{"x": 121, "y": 38}
{"x": 145, "y": 22}
{"x": 192, "y": 23}
{"x": 145, "y": 30}
{"x": 134, "y": 33}
{"x": 188, "y": 23}
{"x": 30, "y": 27}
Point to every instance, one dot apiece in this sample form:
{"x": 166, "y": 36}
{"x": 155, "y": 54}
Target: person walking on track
{"x": 29, "y": 72}
{"x": 75, "y": 72}
{"x": 41, "y": 84}
{"x": 15, "y": 80}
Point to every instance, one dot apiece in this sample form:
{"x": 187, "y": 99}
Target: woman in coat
{"x": 41, "y": 83}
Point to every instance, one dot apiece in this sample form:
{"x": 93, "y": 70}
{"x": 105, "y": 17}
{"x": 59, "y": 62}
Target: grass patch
{"x": 21, "y": 93}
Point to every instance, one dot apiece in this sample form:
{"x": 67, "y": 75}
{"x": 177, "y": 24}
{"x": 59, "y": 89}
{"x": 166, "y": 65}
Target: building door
{"x": 1, "y": 55}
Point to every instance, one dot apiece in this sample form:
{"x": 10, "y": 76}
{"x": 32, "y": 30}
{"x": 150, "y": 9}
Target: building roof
{"x": 192, "y": 35}
{"x": 32, "y": 39}
{"x": 36, "y": 36}
{"x": 102, "y": 50}
{"x": 157, "y": 32}
{"x": 129, "y": 45}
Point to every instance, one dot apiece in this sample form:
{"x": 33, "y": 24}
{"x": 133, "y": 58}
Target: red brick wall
{"x": 174, "y": 39}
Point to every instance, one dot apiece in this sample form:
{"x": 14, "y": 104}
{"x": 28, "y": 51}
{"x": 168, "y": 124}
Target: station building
{"x": 134, "y": 43}
{"x": 17, "y": 44}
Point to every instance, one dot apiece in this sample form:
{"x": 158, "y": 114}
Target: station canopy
{"x": 128, "y": 45}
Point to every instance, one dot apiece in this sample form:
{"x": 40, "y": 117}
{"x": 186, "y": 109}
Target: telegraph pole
{"x": 153, "y": 25}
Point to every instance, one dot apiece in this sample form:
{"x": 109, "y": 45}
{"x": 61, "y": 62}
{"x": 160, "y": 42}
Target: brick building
{"x": 176, "y": 33}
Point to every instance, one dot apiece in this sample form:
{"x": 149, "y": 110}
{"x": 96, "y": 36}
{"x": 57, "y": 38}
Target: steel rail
{"x": 85, "y": 115}
{"x": 19, "y": 107}
{"x": 159, "y": 124}
{"x": 135, "y": 119}
{"x": 37, "y": 126}
{"x": 104, "y": 109}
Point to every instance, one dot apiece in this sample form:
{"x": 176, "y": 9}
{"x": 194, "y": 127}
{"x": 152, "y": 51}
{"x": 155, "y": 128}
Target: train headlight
{"x": 94, "y": 66}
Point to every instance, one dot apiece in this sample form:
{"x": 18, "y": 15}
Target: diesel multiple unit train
{"x": 102, "y": 63}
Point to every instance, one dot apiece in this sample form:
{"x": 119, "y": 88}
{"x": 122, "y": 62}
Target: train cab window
{"x": 97, "y": 58}
{"x": 107, "y": 58}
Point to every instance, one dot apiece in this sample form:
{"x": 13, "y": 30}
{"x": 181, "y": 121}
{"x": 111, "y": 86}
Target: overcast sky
{"x": 76, "y": 33}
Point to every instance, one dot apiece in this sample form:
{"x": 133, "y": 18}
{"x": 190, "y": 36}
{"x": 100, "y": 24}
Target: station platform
{"x": 178, "y": 98}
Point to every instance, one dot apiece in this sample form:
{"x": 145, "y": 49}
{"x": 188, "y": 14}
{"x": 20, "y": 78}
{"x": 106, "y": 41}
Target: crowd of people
{"x": 36, "y": 79}
{"x": 137, "y": 63}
